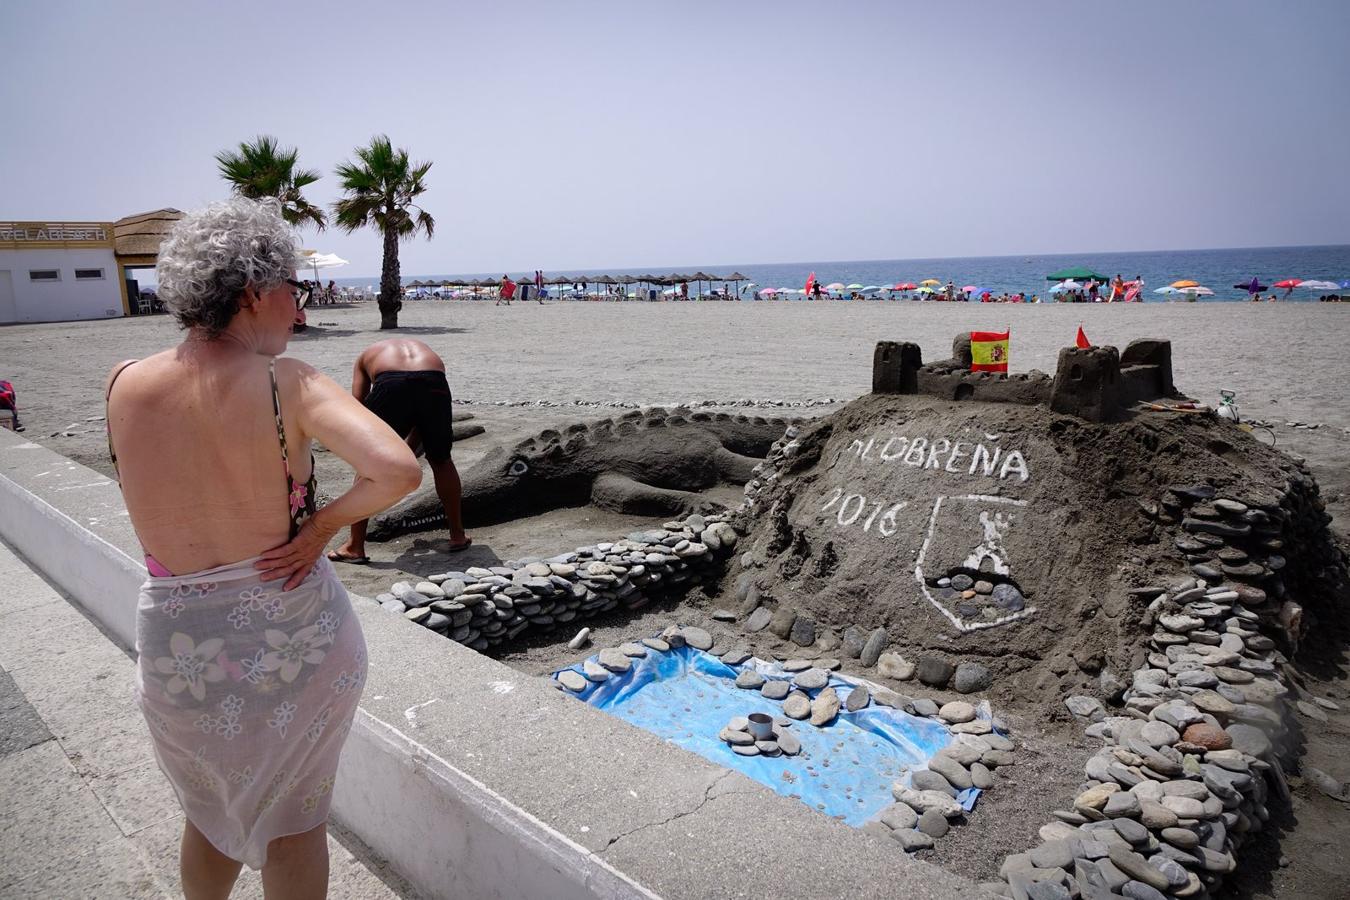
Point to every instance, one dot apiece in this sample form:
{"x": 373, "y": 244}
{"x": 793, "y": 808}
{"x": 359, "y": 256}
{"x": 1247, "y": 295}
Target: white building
{"x": 62, "y": 271}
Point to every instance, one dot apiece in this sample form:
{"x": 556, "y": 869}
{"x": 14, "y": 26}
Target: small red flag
{"x": 1082, "y": 339}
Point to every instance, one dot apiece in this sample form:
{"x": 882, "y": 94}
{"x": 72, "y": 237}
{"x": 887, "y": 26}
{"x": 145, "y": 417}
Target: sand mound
{"x": 1013, "y": 536}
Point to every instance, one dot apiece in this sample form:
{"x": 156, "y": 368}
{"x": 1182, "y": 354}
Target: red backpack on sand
{"x": 7, "y": 398}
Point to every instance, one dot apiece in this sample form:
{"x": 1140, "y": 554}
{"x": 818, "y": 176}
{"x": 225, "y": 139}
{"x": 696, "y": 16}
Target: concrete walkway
{"x": 84, "y": 810}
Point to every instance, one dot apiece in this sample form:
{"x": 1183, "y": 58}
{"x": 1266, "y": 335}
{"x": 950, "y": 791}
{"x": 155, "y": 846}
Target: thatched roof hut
{"x": 136, "y": 239}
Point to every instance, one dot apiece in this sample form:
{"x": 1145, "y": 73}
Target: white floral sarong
{"x": 249, "y": 692}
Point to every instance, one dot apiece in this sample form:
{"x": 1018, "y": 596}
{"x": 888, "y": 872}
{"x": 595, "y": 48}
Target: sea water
{"x": 1218, "y": 270}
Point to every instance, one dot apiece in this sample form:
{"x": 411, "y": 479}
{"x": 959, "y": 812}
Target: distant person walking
{"x": 506, "y": 291}
{"x": 539, "y": 285}
{"x": 402, "y": 381}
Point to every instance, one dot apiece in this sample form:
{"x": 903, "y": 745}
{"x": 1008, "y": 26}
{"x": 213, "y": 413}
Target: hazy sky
{"x": 579, "y": 134}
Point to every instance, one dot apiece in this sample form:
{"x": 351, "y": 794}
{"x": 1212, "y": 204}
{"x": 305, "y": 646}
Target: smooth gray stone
{"x": 971, "y": 677}
{"x": 912, "y": 840}
{"x": 735, "y": 657}
{"x": 857, "y": 699}
{"x": 1137, "y": 890}
{"x": 759, "y": 619}
{"x": 933, "y": 823}
{"x": 934, "y": 672}
{"x": 811, "y": 679}
{"x": 788, "y": 742}
{"x": 803, "y": 632}
{"x": 775, "y": 690}
{"x": 898, "y": 816}
{"x": 876, "y": 643}
{"x": 951, "y": 770}
{"x": 572, "y": 680}
{"x": 1131, "y": 831}
{"x": 749, "y": 679}
{"x": 1053, "y": 854}
{"x": 697, "y": 638}
{"x": 614, "y": 659}
{"x": 925, "y": 780}
{"x": 853, "y": 641}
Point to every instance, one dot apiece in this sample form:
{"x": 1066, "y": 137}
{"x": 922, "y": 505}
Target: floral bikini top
{"x": 301, "y": 497}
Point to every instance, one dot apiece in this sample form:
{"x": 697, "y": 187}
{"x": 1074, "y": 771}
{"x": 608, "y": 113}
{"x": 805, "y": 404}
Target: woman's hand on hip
{"x": 294, "y": 559}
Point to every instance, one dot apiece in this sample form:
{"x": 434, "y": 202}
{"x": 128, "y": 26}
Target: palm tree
{"x": 263, "y": 169}
{"x": 381, "y": 187}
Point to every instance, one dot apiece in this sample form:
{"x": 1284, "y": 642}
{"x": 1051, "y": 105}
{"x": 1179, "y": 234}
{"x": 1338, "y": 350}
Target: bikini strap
{"x": 107, "y": 424}
{"x": 116, "y": 375}
{"x": 281, "y": 429}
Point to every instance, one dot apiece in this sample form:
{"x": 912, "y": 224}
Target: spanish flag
{"x": 989, "y": 351}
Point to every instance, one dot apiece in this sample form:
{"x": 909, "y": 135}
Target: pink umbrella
{"x": 905, "y": 286}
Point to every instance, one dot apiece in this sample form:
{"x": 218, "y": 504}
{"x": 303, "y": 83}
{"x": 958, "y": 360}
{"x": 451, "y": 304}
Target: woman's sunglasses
{"x": 302, "y": 293}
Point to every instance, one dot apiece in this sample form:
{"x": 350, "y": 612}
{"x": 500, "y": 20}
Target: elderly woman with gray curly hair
{"x": 250, "y": 658}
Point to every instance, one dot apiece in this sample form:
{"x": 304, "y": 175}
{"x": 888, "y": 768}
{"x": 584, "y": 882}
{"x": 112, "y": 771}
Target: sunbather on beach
{"x": 402, "y": 381}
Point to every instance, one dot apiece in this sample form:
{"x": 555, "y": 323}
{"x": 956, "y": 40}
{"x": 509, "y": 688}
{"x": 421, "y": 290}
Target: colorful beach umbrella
{"x": 1076, "y": 274}
{"x": 855, "y": 287}
{"x": 1289, "y": 283}
{"x": 834, "y": 286}
{"x": 930, "y": 281}
{"x": 1199, "y": 291}
{"x": 1184, "y": 283}
{"x": 1252, "y": 287}
{"x": 904, "y": 286}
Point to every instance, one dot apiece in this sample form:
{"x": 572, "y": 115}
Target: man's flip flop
{"x": 455, "y": 548}
{"x": 337, "y": 556}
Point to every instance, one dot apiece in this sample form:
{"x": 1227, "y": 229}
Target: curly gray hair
{"x": 211, "y": 254}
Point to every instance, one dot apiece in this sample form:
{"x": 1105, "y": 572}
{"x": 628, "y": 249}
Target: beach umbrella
{"x": 1252, "y": 287}
{"x": 855, "y": 287}
{"x": 1199, "y": 291}
{"x": 904, "y": 286}
{"x": 313, "y": 259}
{"x": 834, "y": 286}
{"x": 1075, "y": 274}
{"x": 930, "y": 281}
{"x": 1319, "y": 285}
{"x": 1167, "y": 290}
{"x": 972, "y": 289}
{"x": 1065, "y": 286}
{"x": 769, "y": 291}
{"x": 870, "y": 289}
{"x": 925, "y": 290}
{"x": 1345, "y": 284}
{"x": 1184, "y": 283}
{"x": 1289, "y": 283}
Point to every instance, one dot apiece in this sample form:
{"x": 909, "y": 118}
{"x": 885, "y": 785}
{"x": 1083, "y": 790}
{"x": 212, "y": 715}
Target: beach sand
{"x": 1285, "y": 361}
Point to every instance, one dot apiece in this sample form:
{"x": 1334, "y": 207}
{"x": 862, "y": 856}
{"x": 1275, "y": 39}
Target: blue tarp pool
{"x": 844, "y": 770}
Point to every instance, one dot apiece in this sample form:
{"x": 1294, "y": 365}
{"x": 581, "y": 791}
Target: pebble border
{"x": 1188, "y": 766}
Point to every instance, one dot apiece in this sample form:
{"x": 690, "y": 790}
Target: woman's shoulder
{"x": 140, "y": 366}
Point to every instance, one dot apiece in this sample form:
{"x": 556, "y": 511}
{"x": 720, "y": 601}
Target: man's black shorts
{"x": 421, "y": 400}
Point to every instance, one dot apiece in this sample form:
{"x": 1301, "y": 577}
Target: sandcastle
{"x": 1062, "y": 541}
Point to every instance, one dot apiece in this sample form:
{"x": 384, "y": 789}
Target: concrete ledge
{"x": 473, "y": 779}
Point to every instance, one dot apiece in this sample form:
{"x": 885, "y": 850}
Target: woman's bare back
{"x": 198, "y": 453}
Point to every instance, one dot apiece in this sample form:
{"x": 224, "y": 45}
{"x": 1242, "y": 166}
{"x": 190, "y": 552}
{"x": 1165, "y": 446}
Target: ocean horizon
{"x": 1218, "y": 270}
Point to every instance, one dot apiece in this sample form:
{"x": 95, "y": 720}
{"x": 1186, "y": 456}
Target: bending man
{"x": 402, "y": 381}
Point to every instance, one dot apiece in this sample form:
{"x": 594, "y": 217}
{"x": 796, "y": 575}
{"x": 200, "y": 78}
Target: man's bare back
{"x": 418, "y": 408}
{"x": 393, "y": 355}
